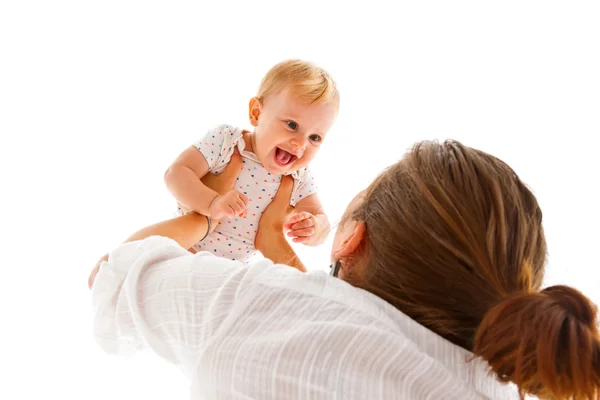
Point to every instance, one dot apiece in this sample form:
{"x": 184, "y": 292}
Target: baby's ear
{"x": 254, "y": 110}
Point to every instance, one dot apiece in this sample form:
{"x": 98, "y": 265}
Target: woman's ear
{"x": 254, "y": 110}
{"x": 351, "y": 244}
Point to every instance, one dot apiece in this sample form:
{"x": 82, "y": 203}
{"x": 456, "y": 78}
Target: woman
{"x": 439, "y": 263}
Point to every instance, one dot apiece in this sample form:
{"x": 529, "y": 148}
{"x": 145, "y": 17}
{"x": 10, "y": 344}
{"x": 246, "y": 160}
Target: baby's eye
{"x": 315, "y": 138}
{"x": 292, "y": 125}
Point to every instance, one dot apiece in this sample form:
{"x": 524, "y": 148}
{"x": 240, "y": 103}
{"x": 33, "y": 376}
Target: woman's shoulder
{"x": 320, "y": 306}
{"x": 316, "y": 286}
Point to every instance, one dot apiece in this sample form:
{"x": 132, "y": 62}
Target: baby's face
{"x": 288, "y": 131}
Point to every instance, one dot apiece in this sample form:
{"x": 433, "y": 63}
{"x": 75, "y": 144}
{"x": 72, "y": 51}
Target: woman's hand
{"x": 277, "y": 212}
{"x": 270, "y": 239}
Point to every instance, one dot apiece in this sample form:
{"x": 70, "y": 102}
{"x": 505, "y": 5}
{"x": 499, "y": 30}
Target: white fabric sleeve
{"x": 153, "y": 293}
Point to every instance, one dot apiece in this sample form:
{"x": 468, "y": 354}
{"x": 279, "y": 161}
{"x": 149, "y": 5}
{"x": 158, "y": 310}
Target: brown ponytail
{"x": 547, "y": 343}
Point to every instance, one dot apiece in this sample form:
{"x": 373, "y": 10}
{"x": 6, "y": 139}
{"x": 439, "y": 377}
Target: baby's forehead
{"x": 290, "y": 97}
{"x": 302, "y": 96}
{"x": 296, "y": 106}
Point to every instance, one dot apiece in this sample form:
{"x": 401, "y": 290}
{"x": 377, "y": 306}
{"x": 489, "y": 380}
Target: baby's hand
{"x": 230, "y": 205}
{"x": 302, "y": 227}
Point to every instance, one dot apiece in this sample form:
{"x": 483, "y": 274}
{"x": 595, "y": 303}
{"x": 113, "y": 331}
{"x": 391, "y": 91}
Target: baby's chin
{"x": 275, "y": 169}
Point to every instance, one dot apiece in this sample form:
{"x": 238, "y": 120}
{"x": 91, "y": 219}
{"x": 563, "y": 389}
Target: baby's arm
{"x": 183, "y": 181}
{"x": 310, "y": 224}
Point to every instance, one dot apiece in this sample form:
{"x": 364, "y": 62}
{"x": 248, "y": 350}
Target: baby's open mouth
{"x": 284, "y": 158}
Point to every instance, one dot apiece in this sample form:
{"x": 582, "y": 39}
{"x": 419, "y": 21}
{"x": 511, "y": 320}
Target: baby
{"x": 296, "y": 104}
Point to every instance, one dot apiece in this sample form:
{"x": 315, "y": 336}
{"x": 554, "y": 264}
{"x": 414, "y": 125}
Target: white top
{"x": 234, "y": 238}
{"x": 269, "y": 331}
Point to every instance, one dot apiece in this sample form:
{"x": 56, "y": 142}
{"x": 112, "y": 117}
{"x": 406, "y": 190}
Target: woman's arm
{"x": 280, "y": 252}
{"x": 188, "y": 229}
{"x": 270, "y": 239}
{"x": 152, "y": 293}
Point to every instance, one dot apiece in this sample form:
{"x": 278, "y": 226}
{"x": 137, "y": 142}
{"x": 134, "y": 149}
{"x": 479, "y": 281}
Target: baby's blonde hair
{"x": 306, "y": 80}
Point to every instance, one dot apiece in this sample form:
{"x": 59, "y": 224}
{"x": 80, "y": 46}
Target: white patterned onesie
{"x": 234, "y": 238}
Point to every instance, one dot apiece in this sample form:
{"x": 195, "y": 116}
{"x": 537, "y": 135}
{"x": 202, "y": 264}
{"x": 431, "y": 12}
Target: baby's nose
{"x": 299, "y": 143}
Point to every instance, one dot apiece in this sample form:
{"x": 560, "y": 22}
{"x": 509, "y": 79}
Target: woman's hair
{"x": 306, "y": 80}
{"x": 455, "y": 241}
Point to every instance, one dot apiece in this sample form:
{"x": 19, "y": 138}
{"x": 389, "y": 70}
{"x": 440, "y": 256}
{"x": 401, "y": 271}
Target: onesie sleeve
{"x": 217, "y": 146}
{"x": 304, "y": 185}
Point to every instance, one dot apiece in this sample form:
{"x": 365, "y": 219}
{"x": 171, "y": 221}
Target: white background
{"x": 97, "y": 98}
